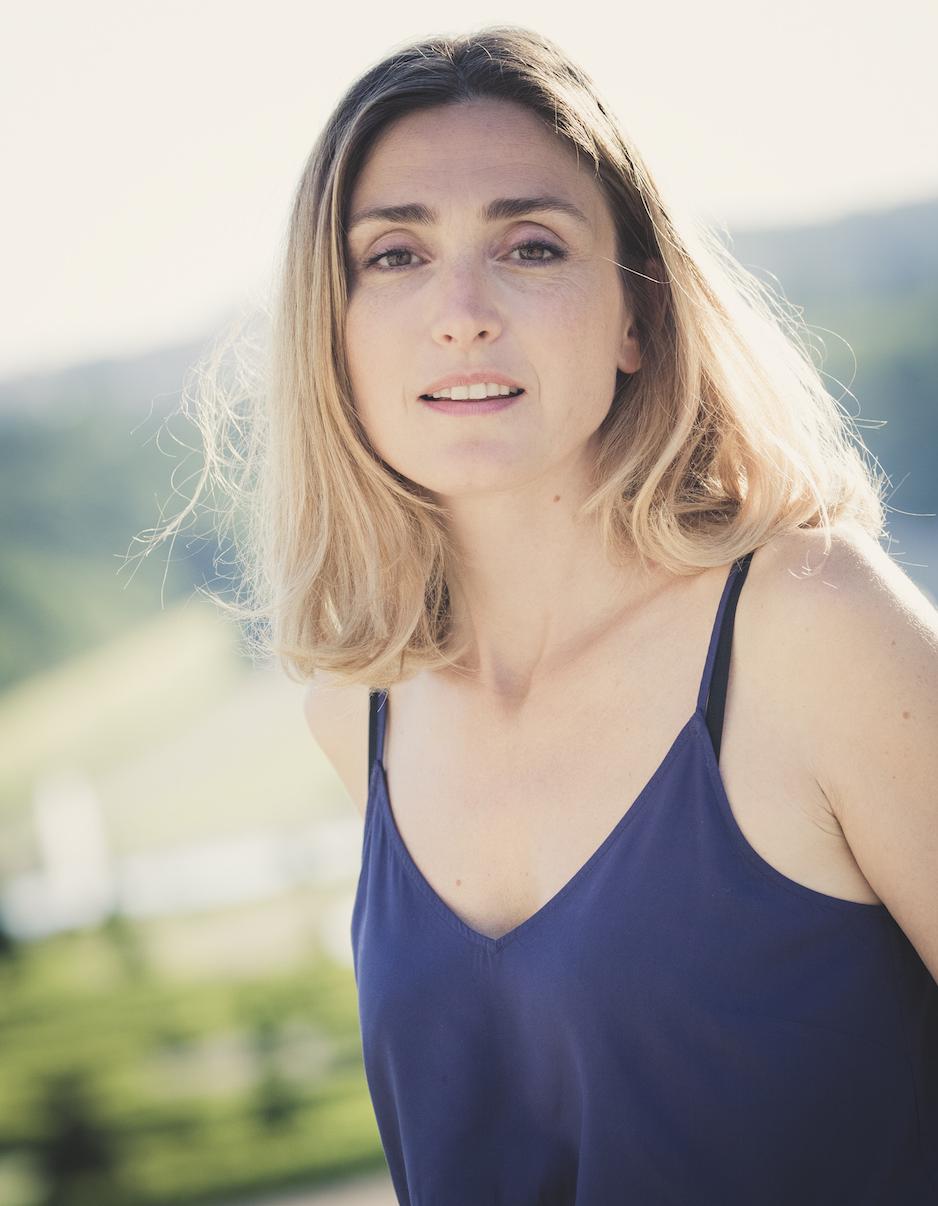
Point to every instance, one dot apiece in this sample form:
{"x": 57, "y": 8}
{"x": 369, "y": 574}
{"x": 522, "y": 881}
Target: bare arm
{"x": 337, "y": 717}
{"x": 869, "y": 670}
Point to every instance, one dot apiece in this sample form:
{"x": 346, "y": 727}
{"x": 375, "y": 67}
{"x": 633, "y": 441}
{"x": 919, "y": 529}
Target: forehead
{"x": 484, "y": 146}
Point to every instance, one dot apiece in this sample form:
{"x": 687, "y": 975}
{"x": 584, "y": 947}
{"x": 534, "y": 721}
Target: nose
{"x": 464, "y": 309}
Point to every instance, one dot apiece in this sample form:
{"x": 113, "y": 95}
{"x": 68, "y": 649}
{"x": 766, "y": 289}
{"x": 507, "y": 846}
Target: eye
{"x": 382, "y": 255}
{"x": 556, "y": 253}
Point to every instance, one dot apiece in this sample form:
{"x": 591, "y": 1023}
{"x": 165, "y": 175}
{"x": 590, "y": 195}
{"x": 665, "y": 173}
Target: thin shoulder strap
{"x": 715, "y": 678}
{"x": 377, "y": 721}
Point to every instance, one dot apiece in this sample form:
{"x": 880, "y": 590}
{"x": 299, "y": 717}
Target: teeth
{"x": 489, "y": 389}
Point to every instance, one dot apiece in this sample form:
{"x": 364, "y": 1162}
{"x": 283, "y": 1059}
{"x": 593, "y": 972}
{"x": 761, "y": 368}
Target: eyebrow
{"x": 497, "y": 210}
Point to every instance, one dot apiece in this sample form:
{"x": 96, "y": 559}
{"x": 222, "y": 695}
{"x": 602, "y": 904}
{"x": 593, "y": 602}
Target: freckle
{"x": 556, "y": 498}
{"x": 906, "y": 715}
{"x": 458, "y": 883}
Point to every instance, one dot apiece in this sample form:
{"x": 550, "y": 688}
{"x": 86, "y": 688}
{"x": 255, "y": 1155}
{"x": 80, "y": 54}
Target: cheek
{"x": 360, "y": 330}
{"x": 581, "y": 339}
{"x": 599, "y": 320}
{"x": 581, "y": 358}
{"x": 377, "y": 374}
{"x": 580, "y": 309}
{"x": 370, "y": 349}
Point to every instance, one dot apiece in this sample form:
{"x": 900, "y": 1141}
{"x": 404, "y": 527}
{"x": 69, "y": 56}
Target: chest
{"x": 499, "y": 815}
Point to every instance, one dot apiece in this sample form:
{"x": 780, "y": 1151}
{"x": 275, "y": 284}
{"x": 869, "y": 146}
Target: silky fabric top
{"x": 679, "y": 1025}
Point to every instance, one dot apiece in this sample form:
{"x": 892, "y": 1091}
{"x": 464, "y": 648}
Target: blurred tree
{"x": 275, "y": 1101}
{"x": 10, "y": 948}
{"x": 126, "y": 940}
{"x": 78, "y": 1154}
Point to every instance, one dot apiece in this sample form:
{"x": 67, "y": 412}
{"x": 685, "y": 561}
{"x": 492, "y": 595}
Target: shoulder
{"x": 336, "y": 714}
{"x": 853, "y": 632}
{"x": 859, "y": 646}
{"x": 855, "y": 567}
{"x": 845, "y": 602}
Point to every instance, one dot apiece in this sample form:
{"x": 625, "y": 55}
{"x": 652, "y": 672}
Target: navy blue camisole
{"x": 679, "y": 1025}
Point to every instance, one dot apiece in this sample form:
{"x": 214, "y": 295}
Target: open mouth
{"x": 513, "y": 393}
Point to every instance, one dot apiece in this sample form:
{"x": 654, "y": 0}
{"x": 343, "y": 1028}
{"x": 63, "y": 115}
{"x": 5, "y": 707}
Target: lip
{"x": 476, "y": 377}
{"x": 478, "y": 406}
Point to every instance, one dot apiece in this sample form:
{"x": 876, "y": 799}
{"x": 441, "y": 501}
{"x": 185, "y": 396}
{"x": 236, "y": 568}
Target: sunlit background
{"x": 177, "y": 860}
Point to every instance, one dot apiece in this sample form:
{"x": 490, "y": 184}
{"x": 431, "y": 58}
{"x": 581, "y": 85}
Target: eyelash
{"x": 558, "y": 254}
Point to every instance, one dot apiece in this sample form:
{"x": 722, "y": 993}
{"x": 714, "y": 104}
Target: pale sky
{"x": 150, "y": 149}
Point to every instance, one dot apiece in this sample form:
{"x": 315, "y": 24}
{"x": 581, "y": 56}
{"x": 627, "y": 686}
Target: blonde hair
{"x": 726, "y": 436}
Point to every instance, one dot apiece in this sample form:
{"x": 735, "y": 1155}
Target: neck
{"x": 535, "y": 591}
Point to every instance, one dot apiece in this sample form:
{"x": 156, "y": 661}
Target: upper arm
{"x": 337, "y": 717}
{"x": 868, "y": 670}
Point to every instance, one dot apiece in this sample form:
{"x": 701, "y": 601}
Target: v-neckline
{"x": 695, "y": 723}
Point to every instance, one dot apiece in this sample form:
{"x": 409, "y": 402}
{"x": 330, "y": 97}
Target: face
{"x": 535, "y": 295}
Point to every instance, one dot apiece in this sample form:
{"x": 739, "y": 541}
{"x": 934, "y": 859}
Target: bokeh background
{"x": 177, "y": 860}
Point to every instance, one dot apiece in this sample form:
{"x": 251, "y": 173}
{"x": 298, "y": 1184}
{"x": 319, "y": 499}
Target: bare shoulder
{"x": 337, "y": 717}
{"x": 869, "y": 665}
{"x": 855, "y": 577}
{"x": 848, "y": 634}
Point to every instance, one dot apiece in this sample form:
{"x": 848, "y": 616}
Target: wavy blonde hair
{"x": 726, "y": 437}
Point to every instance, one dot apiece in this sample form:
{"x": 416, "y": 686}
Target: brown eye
{"x": 557, "y": 253}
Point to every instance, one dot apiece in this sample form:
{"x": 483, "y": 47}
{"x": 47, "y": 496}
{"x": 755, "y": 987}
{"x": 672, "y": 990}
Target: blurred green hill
{"x": 82, "y": 471}
{"x": 868, "y": 287}
{"x": 84, "y": 468}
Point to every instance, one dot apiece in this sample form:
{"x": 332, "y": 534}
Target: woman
{"x": 723, "y": 992}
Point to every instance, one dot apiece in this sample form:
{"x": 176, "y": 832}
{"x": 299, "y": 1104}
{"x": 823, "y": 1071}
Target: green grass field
{"x": 185, "y": 1058}
{"x": 123, "y": 1085}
